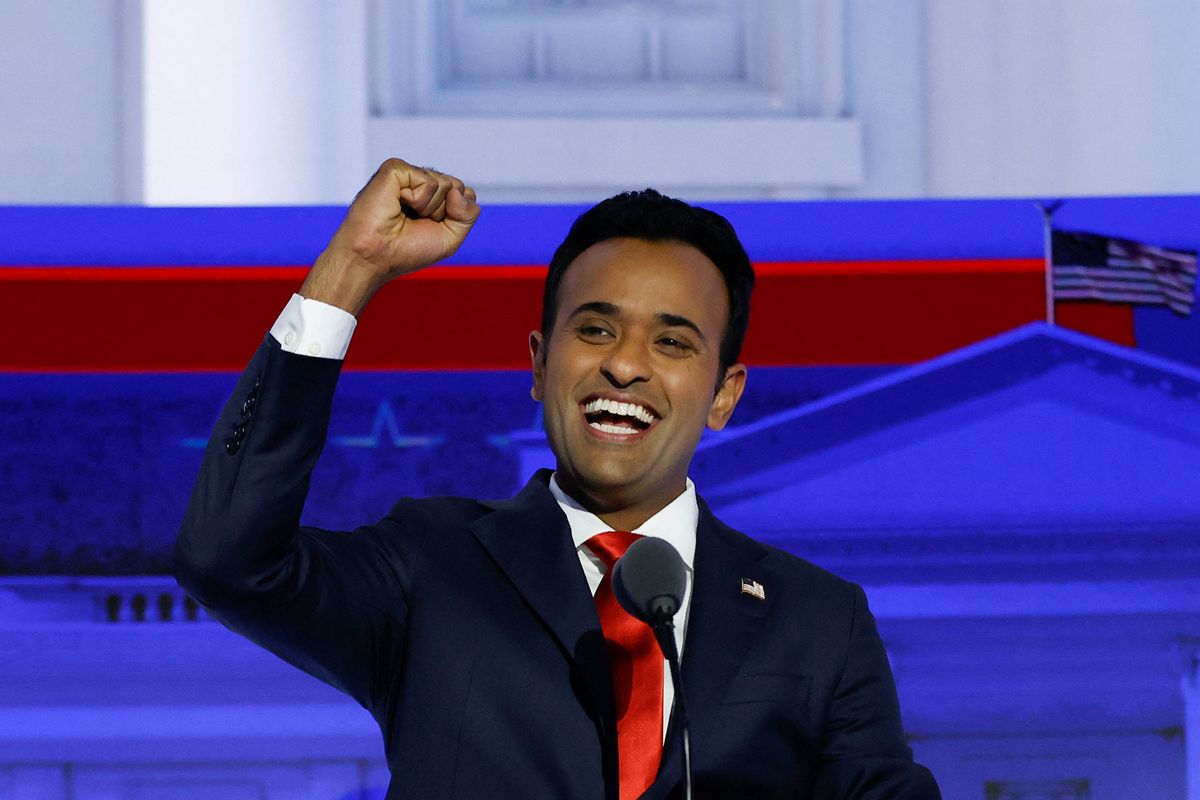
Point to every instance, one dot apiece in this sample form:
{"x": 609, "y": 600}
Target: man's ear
{"x": 727, "y": 396}
{"x": 537, "y": 355}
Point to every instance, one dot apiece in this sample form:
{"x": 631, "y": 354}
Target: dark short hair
{"x": 654, "y": 217}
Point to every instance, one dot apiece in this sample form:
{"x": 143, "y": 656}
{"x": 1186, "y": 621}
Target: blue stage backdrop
{"x": 96, "y": 468}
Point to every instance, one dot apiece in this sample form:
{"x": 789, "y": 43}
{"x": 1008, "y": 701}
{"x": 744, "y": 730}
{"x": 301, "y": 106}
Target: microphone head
{"x": 649, "y": 580}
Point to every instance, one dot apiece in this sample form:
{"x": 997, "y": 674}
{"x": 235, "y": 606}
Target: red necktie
{"x": 637, "y": 673}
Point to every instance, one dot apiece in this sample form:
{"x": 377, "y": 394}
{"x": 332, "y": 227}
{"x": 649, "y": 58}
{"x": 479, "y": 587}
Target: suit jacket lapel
{"x": 529, "y": 539}
{"x": 723, "y": 624}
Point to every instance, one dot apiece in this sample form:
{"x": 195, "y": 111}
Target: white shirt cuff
{"x": 312, "y": 328}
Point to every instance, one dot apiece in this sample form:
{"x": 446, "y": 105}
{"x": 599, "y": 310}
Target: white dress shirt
{"x": 675, "y": 523}
{"x": 311, "y": 328}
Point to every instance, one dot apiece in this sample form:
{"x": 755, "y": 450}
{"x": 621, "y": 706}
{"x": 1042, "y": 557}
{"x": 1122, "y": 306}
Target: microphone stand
{"x": 664, "y": 631}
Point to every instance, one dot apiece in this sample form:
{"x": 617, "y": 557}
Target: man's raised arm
{"x": 327, "y": 602}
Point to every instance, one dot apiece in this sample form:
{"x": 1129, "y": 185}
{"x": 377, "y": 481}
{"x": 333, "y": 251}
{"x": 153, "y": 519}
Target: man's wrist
{"x": 343, "y": 280}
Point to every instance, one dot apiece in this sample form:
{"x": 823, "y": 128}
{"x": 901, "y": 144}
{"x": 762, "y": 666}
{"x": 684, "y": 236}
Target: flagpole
{"x": 1048, "y": 210}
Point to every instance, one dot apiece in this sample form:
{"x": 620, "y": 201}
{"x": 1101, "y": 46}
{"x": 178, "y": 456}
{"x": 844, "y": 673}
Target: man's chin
{"x": 607, "y": 487}
{"x": 608, "y": 490}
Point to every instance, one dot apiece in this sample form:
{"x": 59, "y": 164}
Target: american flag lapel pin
{"x": 754, "y": 589}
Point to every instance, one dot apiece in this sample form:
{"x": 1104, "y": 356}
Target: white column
{"x": 1191, "y": 722}
{"x": 885, "y": 58}
{"x": 58, "y": 102}
{"x": 249, "y": 103}
{"x": 1074, "y": 97}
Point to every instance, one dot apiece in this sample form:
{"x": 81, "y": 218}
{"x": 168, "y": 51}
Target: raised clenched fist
{"x": 404, "y": 219}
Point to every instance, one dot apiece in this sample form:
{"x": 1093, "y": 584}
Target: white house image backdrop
{"x": 1019, "y": 500}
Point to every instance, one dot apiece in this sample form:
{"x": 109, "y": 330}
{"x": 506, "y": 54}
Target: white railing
{"x": 108, "y": 600}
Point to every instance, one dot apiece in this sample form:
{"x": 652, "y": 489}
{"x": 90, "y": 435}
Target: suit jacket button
{"x": 232, "y": 445}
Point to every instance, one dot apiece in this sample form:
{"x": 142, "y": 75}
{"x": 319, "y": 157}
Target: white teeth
{"x": 601, "y": 426}
{"x": 621, "y": 409}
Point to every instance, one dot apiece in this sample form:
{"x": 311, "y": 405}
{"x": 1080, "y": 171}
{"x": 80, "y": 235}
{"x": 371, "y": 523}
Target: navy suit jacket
{"x": 468, "y": 631}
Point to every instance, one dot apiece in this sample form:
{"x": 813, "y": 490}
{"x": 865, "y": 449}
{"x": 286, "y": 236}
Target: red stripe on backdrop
{"x": 198, "y": 319}
{"x": 1111, "y": 321}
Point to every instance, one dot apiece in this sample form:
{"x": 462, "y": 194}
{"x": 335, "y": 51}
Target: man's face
{"x": 627, "y": 374}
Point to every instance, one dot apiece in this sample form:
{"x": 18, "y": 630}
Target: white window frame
{"x": 785, "y": 135}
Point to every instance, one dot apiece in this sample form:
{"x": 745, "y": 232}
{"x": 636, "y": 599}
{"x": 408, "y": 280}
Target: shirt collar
{"x": 675, "y": 522}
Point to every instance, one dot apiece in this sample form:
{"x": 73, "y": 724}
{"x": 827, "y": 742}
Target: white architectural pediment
{"x": 1040, "y": 446}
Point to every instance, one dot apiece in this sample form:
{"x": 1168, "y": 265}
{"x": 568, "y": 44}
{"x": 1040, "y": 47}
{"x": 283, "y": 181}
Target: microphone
{"x": 649, "y": 580}
{"x": 649, "y": 583}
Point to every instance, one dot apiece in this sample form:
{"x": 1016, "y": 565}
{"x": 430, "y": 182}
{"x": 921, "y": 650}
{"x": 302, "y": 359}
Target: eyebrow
{"x": 611, "y": 310}
{"x": 596, "y": 307}
{"x": 676, "y": 321}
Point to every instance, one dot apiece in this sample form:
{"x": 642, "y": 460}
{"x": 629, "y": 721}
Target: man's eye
{"x": 674, "y": 344}
{"x": 593, "y": 331}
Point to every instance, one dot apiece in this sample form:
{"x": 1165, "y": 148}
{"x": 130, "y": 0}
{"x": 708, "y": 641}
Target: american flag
{"x": 1092, "y": 267}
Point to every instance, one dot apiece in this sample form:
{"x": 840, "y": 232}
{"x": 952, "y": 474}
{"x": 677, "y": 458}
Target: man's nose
{"x": 628, "y": 362}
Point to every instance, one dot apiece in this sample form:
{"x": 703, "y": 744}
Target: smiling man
{"x": 482, "y": 635}
{"x": 627, "y": 364}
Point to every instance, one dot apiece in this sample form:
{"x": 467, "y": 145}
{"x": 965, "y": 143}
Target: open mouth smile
{"x": 618, "y": 418}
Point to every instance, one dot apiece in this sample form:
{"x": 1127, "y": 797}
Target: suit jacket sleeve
{"x": 329, "y": 603}
{"x": 864, "y": 755}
